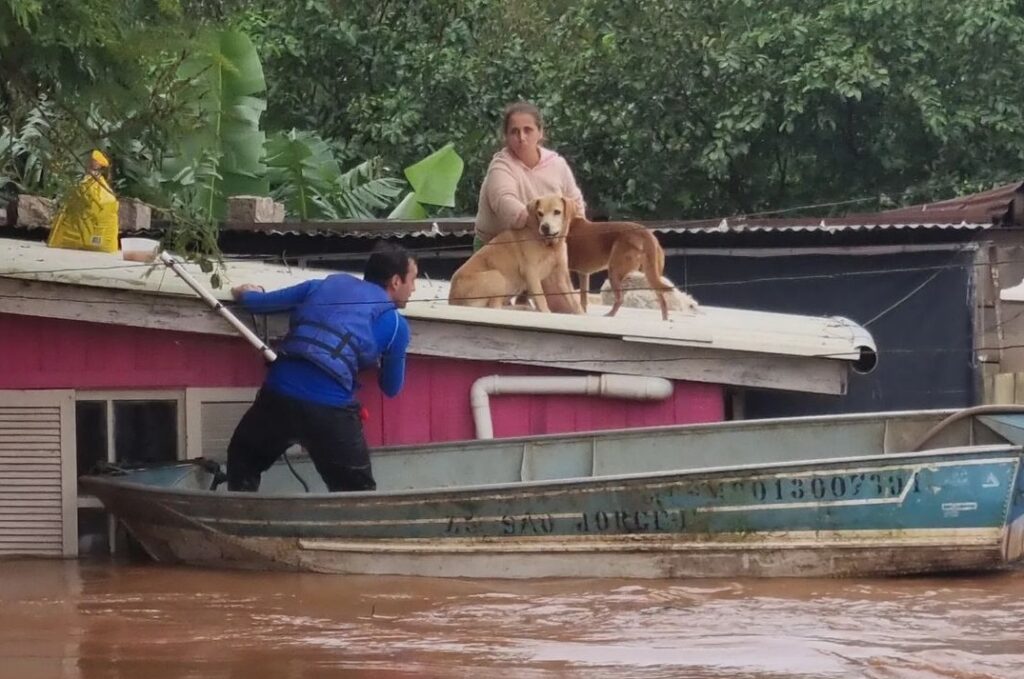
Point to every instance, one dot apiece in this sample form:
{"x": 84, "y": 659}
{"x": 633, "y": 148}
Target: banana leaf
{"x": 409, "y": 208}
{"x": 435, "y": 178}
{"x": 226, "y": 75}
{"x": 301, "y": 167}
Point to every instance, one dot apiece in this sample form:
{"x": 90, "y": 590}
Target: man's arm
{"x": 255, "y": 301}
{"x": 392, "y": 333}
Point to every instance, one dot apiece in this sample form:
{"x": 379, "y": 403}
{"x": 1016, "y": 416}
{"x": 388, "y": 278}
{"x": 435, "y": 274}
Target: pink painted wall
{"x": 50, "y": 353}
{"x": 434, "y": 406}
{"x": 43, "y": 353}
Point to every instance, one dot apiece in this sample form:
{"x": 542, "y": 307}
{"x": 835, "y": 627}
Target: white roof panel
{"x": 712, "y": 327}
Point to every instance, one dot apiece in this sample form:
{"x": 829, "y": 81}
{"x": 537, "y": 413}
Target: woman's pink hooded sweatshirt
{"x": 510, "y": 185}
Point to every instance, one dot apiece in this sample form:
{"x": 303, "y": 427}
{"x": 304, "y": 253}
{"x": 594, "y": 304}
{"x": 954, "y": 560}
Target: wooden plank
{"x": 41, "y": 470}
{"x": 601, "y": 354}
{"x": 32, "y": 515}
{"x": 31, "y": 523}
{"x": 9, "y": 429}
{"x": 1003, "y": 388}
{"x": 12, "y": 473}
{"x": 104, "y": 305}
{"x": 29, "y": 500}
{"x": 33, "y": 421}
{"x": 218, "y": 425}
{"x": 30, "y": 532}
{"x": 34, "y": 481}
{"x": 1018, "y": 387}
{"x": 12, "y": 445}
{"x": 31, "y": 435}
{"x": 32, "y": 426}
{"x": 12, "y": 504}
{"x": 28, "y": 548}
{"x": 991, "y": 335}
{"x": 20, "y": 435}
{"x": 47, "y": 536}
{"x": 37, "y": 454}
{"x": 69, "y": 475}
{"x": 13, "y": 458}
{"x": 43, "y": 400}
{"x": 47, "y": 511}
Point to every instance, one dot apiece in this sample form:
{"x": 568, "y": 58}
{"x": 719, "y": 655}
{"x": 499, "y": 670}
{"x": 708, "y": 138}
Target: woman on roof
{"x": 521, "y": 171}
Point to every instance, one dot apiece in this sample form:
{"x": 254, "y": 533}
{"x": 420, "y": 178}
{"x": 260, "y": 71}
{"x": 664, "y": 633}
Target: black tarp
{"x": 917, "y": 306}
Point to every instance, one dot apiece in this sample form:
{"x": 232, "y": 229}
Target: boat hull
{"x": 883, "y": 515}
{"x": 599, "y": 558}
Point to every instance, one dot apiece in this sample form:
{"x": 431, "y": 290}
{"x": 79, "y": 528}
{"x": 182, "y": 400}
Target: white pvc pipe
{"x": 608, "y": 386}
{"x": 243, "y": 329}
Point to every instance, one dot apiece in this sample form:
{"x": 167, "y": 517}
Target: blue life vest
{"x": 333, "y": 327}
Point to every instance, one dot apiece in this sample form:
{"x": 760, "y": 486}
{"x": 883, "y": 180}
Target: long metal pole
{"x": 216, "y": 305}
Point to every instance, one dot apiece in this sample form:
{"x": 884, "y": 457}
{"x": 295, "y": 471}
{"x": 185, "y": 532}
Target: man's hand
{"x": 237, "y": 291}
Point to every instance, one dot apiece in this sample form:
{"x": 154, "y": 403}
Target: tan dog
{"x": 620, "y": 247}
{"x": 517, "y": 260}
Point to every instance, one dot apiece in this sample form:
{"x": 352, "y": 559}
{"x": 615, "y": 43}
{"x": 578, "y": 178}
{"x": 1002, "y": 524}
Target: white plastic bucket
{"x": 139, "y": 249}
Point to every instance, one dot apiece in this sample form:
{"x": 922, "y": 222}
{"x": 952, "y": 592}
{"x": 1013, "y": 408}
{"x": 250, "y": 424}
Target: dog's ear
{"x": 568, "y": 211}
{"x": 531, "y": 211}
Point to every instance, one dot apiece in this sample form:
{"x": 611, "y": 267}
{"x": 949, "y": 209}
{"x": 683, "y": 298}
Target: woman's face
{"x": 523, "y": 136}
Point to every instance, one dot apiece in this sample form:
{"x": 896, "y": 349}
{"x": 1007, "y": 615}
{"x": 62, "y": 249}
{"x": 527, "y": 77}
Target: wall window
{"x": 127, "y": 428}
{"x": 90, "y": 434}
{"x": 145, "y": 431}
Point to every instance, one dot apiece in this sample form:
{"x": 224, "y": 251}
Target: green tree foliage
{"x": 670, "y": 108}
{"x": 667, "y": 108}
{"x": 77, "y": 74}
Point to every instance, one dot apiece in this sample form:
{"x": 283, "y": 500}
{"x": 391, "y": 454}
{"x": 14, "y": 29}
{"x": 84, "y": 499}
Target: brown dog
{"x": 518, "y": 260}
{"x": 622, "y": 248}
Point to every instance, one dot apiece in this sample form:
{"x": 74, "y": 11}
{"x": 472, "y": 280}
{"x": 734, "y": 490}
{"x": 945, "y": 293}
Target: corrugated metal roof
{"x": 975, "y": 212}
{"x": 941, "y": 221}
{"x": 463, "y": 228}
{"x": 709, "y": 327}
{"x": 1001, "y": 205}
{"x": 362, "y": 228}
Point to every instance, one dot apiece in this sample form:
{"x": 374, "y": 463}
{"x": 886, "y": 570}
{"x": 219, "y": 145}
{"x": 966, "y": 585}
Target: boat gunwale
{"x": 1008, "y": 453}
{"x": 576, "y": 437}
{"x": 634, "y": 432}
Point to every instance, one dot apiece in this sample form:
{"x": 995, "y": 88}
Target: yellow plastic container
{"x": 88, "y": 220}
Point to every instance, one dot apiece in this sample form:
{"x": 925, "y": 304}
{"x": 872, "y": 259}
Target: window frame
{"x": 108, "y": 397}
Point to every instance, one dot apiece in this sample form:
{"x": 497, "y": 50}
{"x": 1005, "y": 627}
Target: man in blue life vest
{"x": 339, "y": 326}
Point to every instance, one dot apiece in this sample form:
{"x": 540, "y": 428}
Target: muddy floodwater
{"x": 102, "y": 620}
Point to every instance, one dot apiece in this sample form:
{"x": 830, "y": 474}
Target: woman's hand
{"x": 521, "y": 219}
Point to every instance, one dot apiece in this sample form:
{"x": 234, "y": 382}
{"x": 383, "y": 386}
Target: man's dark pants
{"x": 333, "y": 436}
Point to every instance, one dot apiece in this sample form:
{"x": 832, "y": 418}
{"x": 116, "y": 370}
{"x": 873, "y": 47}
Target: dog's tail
{"x": 654, "y": 267}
